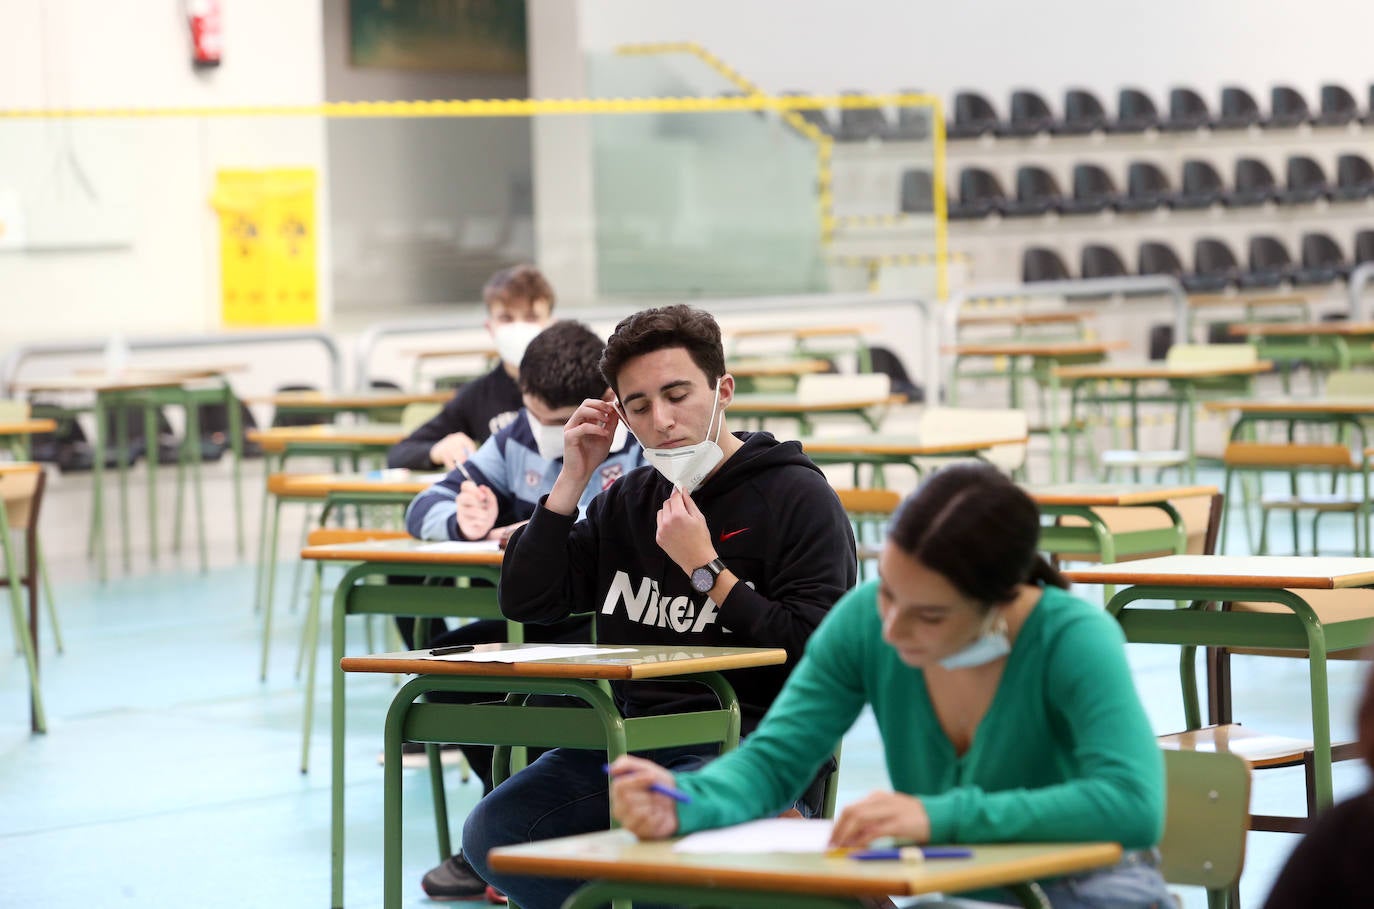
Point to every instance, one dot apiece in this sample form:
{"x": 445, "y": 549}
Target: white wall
{"x": 882, "y": 45}
{"x": 150, "y": 178}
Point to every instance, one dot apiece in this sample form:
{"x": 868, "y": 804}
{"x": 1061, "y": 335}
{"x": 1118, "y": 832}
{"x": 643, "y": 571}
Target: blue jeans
{"x": 562, "y": 793}
{"x": 1133, "y": 883}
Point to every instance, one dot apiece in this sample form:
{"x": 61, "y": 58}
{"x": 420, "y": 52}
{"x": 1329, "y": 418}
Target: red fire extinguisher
{"x": 207, "y": 40}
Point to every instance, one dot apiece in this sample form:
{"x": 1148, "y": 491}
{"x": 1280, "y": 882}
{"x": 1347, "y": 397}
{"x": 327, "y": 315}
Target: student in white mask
{"x": 498, "y": 488}
{"x": 1006, "y": 705}
{"x": 726, "y": 539}
{"x": 519, "y": 303}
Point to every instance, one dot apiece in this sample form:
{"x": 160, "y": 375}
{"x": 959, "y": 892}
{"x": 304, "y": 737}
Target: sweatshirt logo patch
{"x": 609, "y": 474}
{"x": 532, "y": 478}
{"x": 734, "y": 533}
{"x": 644, "y": 604}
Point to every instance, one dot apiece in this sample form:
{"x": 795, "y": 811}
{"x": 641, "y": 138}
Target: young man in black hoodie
{"x": 724, "y": 540}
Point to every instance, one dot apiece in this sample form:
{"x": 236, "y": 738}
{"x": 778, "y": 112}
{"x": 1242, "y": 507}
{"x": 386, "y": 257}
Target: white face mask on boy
{"x": 687, "y": 466}
{"x": 512, "y": 338}
{"x": 549, "y": 439}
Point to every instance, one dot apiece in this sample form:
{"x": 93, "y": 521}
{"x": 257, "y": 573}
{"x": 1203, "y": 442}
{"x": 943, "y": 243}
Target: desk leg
{"x": 336, "y": 733}
{"x": 24, "y": 629}
{"x": 98, "y": 487}
{"x": 150, "y": 452}
{"x": 193, "y": 441}
{"x": 122, "y": 469}
{"x": 270, "y": 465}
{"x": 231, "y": 403}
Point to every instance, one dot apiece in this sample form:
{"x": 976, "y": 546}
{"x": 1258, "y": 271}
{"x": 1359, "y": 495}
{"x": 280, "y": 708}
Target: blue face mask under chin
{"x": 992, "y": 644}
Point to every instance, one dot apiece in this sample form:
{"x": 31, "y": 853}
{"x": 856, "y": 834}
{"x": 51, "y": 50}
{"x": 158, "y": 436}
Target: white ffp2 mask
{"x": 512, "y": 338}
{"x": 687, "y": 466}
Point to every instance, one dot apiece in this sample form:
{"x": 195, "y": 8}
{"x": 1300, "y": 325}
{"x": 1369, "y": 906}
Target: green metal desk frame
{"x": 1097, "y": 539}
{"x": 513, "y": 723}
{"x": 25, "y": 628}
{"x": 354, "y": 596}
{"x": 1201, "y": 626}
{"x": 597, "y": 894}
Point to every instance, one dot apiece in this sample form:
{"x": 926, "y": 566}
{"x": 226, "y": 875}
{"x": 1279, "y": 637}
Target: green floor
{"x": 169, "y": 776}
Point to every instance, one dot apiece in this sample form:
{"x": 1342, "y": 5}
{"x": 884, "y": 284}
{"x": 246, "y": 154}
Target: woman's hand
{"x": 893, "y": 814}
{"x": 647, "y": 814}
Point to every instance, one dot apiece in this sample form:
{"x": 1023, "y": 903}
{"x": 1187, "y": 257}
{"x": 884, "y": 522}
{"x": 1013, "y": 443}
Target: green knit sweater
{"x": 1064, "y": 753}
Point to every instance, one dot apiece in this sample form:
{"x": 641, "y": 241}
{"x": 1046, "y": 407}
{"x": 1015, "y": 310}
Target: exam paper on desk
{"x": 461, "y": 546}
{"x": 524, "y": 655}
{"x": 774, "y": 834}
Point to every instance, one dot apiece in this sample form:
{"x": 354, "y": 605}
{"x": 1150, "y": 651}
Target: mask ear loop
{"x": 715, "y": 405}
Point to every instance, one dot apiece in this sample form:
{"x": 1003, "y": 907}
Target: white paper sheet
{"x": 774, "y": 834}
{"x": 461, "y": 546}
{"x": 526, "y": 654}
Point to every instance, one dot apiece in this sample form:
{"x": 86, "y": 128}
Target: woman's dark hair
{"x": 976, "y": 527}
{"x": 560, "y": 365}
{"x": 656, "y": 329}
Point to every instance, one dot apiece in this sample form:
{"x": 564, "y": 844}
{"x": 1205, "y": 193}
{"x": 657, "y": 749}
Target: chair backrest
{"x": 20, "y": 485}
{"x": 1320, "y": 250}
{"x": 13, "y": 410}
{"x": 1206, "y": 820}
{"x": 417, "y": 414}
{"x": 1268, "y": 252}
{"x": 1211, "y": 355}
{"x": 828, "y": 388}
{"x": 1096, "y": 261}
{"x": 1039, "y": 263}
{"x": 1287, "y": 107}
{"x": 957, "y": 424}
{"x": 1083, "y": 112}
{"x": 1238, "y": 108}
{"x": 1343, "y": 383}
{"x": 1156, "y": 258}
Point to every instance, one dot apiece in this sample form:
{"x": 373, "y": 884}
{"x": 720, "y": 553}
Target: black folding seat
{"x": 973, "y": 116}
{"x": 1287, "y": 108}
{"x": 1322, "y": 260}
{"x": 1135, "y": 112}
{"x": 1338, "y": 107}
{"x": 980, "y": 194}
{"x": 1270, "y": 263}
{"x": 1147, "y": 188}
{"x": 1354, "y": 178}
{"x": 815, "y": 116}
{"x": 1039, "y": 263}
{"x": 1029, "y": 115}
{"x": 1254, "y": 184}
{"x": 1155, "y": 258}
{"x": 917, "y": 195}
{"x": 1093, "y": 191}
{"x": 1215, "y": 267}
{"x": 859, "y": 124}
{"x": 1037, "y": 192}
{"x": 1364, "y": 247}
{"x": 1201, "y": 187}
{"x": 1187, "y": 111}
{"x": 1098, "y": 261}
{"x": 1238, "y": 110}
{"x": 913, "y": 123}
{"x": 1083, "y": 114}
{"x": 1306, "y": 182}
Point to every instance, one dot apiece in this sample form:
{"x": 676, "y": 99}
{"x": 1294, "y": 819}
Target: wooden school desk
{"x": 880, "y": 449}
{"x": 1182, "y": 380}
{"x": 1332, "y": 345}
{"x": 619, "y": 866}
{"x": 761, "y": 407}
{"x": 1206, "y": 580}
{"x": 16, "y": 434}
{"x": 282, "y": 442}
{"x": 361, "y": 402}
{"x": 379, "y": 560}
{"x": 1080, "y": 500}
{"x": 512, "y": 723}
{"x": 112, "y": 394}
{"x": 1039, "y": 360}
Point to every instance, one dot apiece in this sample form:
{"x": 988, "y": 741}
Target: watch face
{"x": 703, "y": 580}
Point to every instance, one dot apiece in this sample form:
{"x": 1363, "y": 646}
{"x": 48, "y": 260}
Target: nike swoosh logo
{"x": 734, "y": 533}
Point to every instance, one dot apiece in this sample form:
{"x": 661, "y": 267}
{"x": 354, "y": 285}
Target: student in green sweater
{"x": 1005, "y": 704}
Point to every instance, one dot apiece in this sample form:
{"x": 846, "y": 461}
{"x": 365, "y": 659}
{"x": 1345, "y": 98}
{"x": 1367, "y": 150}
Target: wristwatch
{"x": 704, "y": 578}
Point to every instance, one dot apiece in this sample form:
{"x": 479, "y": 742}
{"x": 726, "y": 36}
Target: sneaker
{"x": 454, "y": 880}
{"x": 413, "y": 756}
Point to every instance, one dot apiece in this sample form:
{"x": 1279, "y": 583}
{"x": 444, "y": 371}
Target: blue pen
{"x": 915, "y": 853}
{"x": 676, "y": 795}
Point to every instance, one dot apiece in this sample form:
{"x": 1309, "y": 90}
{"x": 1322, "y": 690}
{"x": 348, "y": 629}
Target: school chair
{"x": 1208, "y": 798}
{"x": 21, "y": 497}
{"x": 17, "y": 411}
{"x": 869, "y": 511}
{"x": 955, "y": 424}
{"x": 1315, "y": 459}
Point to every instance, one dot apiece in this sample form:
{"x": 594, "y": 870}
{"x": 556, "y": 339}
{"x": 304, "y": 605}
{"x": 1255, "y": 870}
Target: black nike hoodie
{"x": 774, "y": 521}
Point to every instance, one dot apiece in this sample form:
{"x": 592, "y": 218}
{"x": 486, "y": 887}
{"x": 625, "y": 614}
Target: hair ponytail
{"x": 1046, "y": 575}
